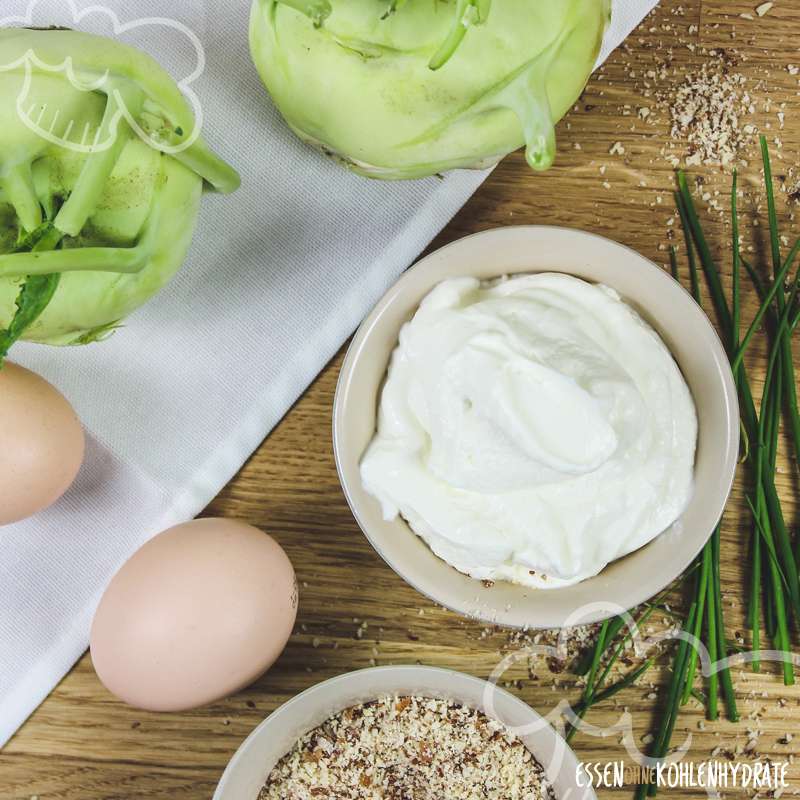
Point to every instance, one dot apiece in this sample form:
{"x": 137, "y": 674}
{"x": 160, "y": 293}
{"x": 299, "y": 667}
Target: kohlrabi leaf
{"x": 37, "y": 240}
{"x": 34, "y": 297}
{"x": 36, "y": 291}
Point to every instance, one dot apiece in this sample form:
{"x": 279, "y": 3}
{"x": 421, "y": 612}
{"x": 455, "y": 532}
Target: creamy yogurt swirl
{"x": 532, "y": 429}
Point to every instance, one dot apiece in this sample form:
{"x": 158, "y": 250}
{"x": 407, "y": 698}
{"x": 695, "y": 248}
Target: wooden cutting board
{"x": 82, "y": 744}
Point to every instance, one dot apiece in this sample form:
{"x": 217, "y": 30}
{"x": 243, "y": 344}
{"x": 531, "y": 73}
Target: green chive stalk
{"x": 660, "y": 746}
{"x": 786, "y": 360}
{"x": 708, "y": 597}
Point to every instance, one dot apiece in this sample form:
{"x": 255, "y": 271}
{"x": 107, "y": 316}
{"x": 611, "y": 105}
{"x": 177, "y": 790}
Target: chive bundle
{"x": 774, "y": 576}
{"x": 774, "y": 589}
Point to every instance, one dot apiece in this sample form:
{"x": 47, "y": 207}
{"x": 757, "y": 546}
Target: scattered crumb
{"x": 707, "y": 113}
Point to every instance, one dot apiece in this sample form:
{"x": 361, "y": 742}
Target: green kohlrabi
{"x": 408, "y": 88}
{"x": 101, "y": 173}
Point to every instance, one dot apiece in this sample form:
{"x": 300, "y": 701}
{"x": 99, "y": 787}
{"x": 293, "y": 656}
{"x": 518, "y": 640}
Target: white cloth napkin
{"x": 279, "y": 275}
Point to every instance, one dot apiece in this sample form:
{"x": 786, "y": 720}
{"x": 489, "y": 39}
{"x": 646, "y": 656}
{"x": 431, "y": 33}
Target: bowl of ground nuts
{"x": 404, "y": 731}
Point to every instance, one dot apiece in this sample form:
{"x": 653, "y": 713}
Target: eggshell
{"x": 196, "y": 614}
{"x": 41, "y": 444}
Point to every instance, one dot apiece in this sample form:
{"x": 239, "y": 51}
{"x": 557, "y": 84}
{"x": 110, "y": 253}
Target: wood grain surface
{"x": 83, "y": 744}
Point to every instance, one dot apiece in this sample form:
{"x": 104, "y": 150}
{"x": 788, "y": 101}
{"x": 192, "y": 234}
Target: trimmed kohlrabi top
{"x": 101, "y": 172}
{"x": 408, "y": 88}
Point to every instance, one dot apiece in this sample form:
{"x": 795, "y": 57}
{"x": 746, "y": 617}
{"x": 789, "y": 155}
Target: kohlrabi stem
{"x": 94, "y": 175}
{"x": 467, "y": 14}
{"x": 47, "y": 243}
{"x": 393, "y": 6}
{"x": 316, "y": 10}
{"x": 74, "y": 259}
{"x": 538, "y": 127}
{"x": 213, "y": 170}
{"x": 43, "y": 260}
{"x": 20, "y": 192}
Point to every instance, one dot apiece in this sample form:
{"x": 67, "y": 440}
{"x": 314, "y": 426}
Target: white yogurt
{"x": 532, "y": 429}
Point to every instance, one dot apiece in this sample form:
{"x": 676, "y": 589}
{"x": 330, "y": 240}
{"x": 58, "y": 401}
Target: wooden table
{"x": 82, "y": 744}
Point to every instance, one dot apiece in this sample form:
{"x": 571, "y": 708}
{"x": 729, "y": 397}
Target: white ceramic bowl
{"x": 275, "y": 736}
{"x": 684, "y": 328}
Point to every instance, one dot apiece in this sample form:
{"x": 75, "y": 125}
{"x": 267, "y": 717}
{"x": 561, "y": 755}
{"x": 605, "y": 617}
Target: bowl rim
{"x": 409, "y": 675}
{"x": 350, "y": 364}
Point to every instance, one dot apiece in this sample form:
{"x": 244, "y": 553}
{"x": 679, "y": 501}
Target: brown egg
{"x": 196, "y": 614}
{"x": 41, "y": 444}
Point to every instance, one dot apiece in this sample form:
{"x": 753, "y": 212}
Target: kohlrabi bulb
{"x": 101, "y": 173}
{"x": 408, "y": 88}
